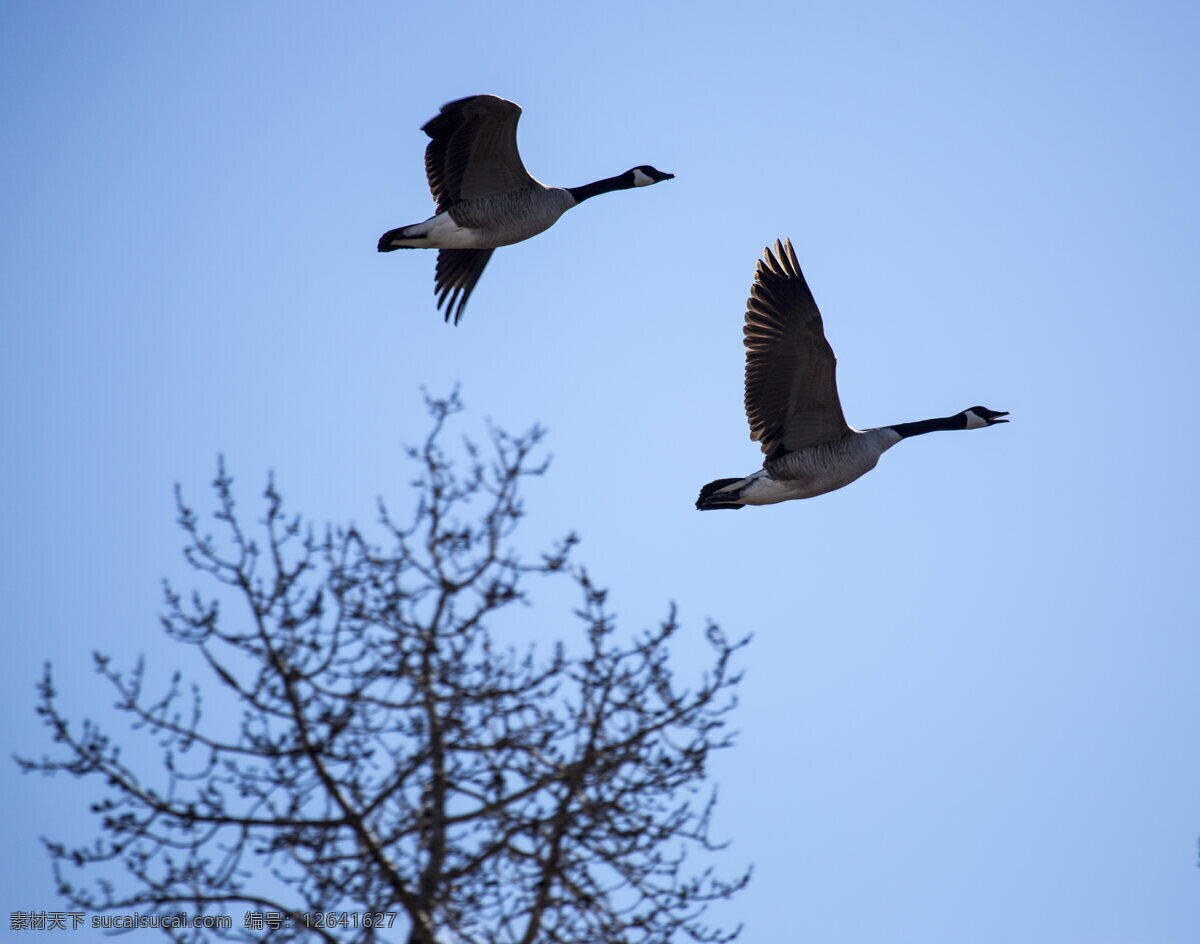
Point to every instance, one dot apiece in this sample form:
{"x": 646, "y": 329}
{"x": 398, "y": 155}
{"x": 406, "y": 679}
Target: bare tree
{"x": 393, "y": 762}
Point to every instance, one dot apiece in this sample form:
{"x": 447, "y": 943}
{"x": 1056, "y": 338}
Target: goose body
{"x": 792, "y": 400}
{"x": 485, "y": 197}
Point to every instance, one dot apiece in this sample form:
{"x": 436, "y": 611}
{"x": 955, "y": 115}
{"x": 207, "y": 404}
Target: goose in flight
{"x": 792, "y": 400}
{"x": 485, "y": 197}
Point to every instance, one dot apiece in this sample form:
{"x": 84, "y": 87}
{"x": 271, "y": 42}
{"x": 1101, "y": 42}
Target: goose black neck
{"x": 929, "y": 426}
{"x": 607, "y": 185}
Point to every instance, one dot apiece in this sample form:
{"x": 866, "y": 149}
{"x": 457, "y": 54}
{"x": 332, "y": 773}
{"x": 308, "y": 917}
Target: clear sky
{"x": 971, "y": 706}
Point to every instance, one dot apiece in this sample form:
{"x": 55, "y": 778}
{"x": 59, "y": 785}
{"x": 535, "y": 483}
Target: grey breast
{"x": 513, "y": 216}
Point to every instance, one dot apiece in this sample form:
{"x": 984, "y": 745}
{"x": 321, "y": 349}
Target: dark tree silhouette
{"x": 394, "y": 764}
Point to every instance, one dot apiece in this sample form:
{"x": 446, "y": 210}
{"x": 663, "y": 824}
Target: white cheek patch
{"x": 641, "y": 178}
{"x": 974, "y": 420}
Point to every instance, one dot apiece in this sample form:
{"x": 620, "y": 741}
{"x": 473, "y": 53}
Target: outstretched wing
{"x": 457, "y": 272}
{"x": 791, "y": 388}
{"x": 473, "y": 151}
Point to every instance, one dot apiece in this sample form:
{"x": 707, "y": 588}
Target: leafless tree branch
{"x": 397, "y": 742}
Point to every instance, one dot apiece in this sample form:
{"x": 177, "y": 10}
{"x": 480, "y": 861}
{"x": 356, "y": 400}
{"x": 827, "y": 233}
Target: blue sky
{"x": 970, "y": 709}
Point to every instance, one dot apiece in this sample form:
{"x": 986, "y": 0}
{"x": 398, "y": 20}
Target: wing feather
{"x": 791, "y": 384}
{"x": 472, "y": 150}
{"x": 457, "y": 272}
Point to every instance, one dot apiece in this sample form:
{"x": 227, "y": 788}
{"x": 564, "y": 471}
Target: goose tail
{"x": 395, "y": 239}
{"x": 709, "y": 501}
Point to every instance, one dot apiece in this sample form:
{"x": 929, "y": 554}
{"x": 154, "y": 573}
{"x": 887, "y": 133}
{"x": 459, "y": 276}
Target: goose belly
{"x": 507, "y": 218}
{"x": 818, "y": 469}
{"x": 766, "y": 489}
{"x": 762, "y": 489}
{"x": 445, "y": 232}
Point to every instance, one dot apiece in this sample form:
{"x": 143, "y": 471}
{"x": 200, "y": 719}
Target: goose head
{"x": 644, "y": 175}
{"x": 978, "y": 417}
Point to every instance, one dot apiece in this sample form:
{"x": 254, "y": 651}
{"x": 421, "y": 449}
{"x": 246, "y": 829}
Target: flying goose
{"x": 485, "y": 197}
{"x": 792, "y": 400}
